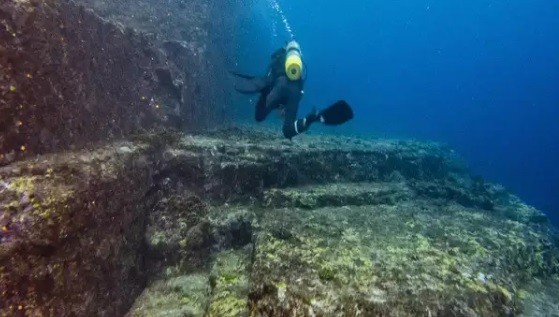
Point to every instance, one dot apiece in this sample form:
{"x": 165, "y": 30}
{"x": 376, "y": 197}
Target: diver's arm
{"x": 278, "y": 53}
{"x": 254, "y": 84}
{"x": 273, "y": 62}
{"x": 276, "y": 67}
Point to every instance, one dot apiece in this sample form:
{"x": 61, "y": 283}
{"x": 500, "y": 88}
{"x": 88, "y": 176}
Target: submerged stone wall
{"x": 75, "y": 248}
{"x": 77, "y": 72}
{"x": 197, "y": 37}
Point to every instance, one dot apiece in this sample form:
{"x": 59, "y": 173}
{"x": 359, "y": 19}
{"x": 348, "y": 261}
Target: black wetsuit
{"x": 276, "y": 92}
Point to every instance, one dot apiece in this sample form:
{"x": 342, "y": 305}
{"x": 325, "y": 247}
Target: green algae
{"x": 354, "y": 250}
{"x": 230, "y": 283}
{"x": 180, "y": 295}
{"x": 227, "y": 304}
{"x": 47, "y": 197}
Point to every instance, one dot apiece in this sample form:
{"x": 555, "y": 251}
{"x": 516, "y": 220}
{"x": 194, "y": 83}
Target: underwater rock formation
{"x": 73, "y": 232}
{"x": 66, "y": 71}
{"x": 243, "y": 223}
{"x": 228, "y": 222}
{"x": 196, "y": 39}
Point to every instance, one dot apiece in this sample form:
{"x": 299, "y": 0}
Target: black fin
{"x": 252, "y": 86}
{"x": 242, "y": 75}
{"x": 338, "y": 113}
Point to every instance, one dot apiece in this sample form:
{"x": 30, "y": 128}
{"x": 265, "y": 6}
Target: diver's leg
{"x": 270, "y": 101}
{"x": 261, "y": 110}
{"x": 292, "y": 126}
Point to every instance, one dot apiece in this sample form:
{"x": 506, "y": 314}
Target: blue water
{"x": 481, "y": 76}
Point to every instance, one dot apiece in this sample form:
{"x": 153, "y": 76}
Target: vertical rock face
{"x": 196, "y": 36}
{"x": 68, "y": 78}
{"x": 72, "y": 234}
{"x": 77, "y": 72}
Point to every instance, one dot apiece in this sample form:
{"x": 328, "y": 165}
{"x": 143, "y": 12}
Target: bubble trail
{"x": 275, "y": 5}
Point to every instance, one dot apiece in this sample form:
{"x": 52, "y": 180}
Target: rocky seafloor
{"x": 242, "y": 223}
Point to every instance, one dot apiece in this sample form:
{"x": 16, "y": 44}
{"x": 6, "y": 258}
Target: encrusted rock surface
{"x": 174, "y": 295}
{"x": 71, "y": 74}
{"x": 230, "y": 222}
{"x": 196, "y": 38}
{"x": 410, "y": 259}
{"x": 338, "y": 194}
{"x": 62, "y": 71}
{"x": 243, "y": 223}
{"x": 72, "y": 234}
{"x": 230, "y": 283}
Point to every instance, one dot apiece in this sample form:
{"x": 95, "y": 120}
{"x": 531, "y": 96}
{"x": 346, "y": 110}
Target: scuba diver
{"x": 282, "y": 89}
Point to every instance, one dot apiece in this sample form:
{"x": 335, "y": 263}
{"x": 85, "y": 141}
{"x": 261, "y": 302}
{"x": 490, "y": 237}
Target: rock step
{"x": 221, "y": 291}
{"x": 486, "y": 197}
{"x": 74, "y": 217}
{"x": 241, "y": 166}
{"x": 231, "y": 166}
{"x": 230, "y": 283}
{"x": 405, "y": 259}
{"x": 337, "y": 194}
{"x": 415, "y": 258}
{"x": 174, "y": 296}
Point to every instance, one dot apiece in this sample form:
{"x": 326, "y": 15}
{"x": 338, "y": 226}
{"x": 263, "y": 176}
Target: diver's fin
{"x": 251, "y": 84}
{"x": 338, "y": 113}
{"x": 241, "y": 75}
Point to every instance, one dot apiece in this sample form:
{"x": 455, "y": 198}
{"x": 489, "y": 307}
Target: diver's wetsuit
{"x": 277, "y": 91}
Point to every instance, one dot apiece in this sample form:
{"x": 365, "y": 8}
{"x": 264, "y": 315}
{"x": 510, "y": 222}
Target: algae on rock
{"x": 177, "y": 296}
{"x": 238, "y": 223}
{"x": 230, "y": 283}
{"x": 402, "y": 260}
{"x": 72, "y": 232}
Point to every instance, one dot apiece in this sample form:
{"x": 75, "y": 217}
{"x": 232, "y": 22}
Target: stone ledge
{"x": 414, "y": 258}
{"x": 83, "y": 231}
{"x": 337, "y": 194}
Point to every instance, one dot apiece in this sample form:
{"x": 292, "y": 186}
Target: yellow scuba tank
{"x": 293, "y": 61}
